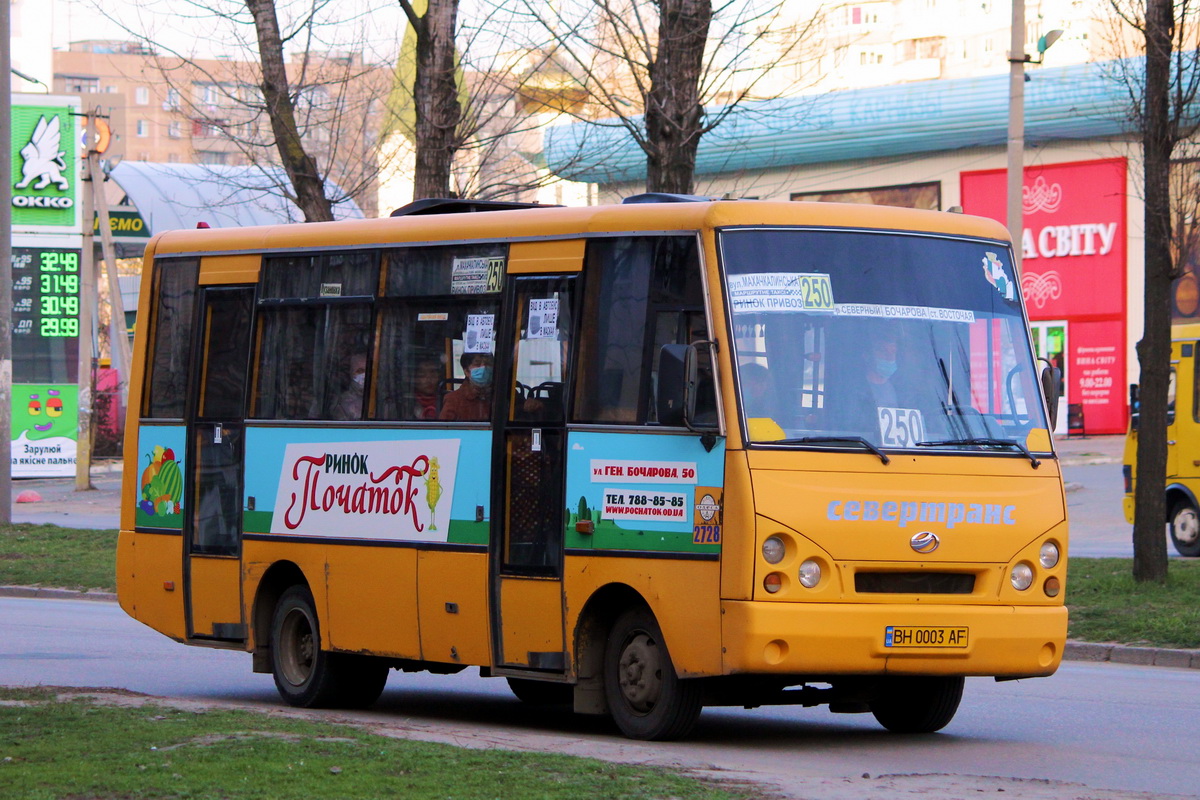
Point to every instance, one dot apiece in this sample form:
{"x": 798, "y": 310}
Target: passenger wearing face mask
{"x": 471, "y": 402}
{"x": 877, "y": 385}
{"x": 350, "y": 402}
{"x": 881, "y": 367}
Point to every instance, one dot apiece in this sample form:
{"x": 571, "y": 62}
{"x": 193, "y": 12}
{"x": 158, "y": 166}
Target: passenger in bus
{"x": 350, "y": 402}
{"x": 471, "y": 402}
{"x": 425, "y": 385}
{"x": 883, "y": 383}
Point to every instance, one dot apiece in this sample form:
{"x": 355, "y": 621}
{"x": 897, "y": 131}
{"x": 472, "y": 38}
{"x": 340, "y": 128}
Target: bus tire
{"x": 304, "y": 673}
{"x": 646, "y": 698}
{"x": 541, "y": 693}
{"x": 1185, "y": 529}
{"x": 918, "y": 704}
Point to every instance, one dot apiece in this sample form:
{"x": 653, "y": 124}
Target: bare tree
{"x": 436, "y": 130}
{"x": 301, "y": 167}
{"x": 304, "y": 96}
{"x": 471, "y": 101}
{"x": 668, "y": 71}
{"x": 1162, "y": 89}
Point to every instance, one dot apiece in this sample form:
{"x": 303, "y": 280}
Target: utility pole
{"x": 87, "y": 305}
{"x": 118, "y": 339}
{"x": 6, "y": 365}
{"x": 1016, "y": 130}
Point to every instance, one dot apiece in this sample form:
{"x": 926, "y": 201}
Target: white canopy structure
{"x": 177, "y": 196}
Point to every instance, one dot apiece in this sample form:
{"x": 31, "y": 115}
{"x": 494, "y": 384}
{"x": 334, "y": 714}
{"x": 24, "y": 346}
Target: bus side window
{"x": 174, "y": 298}
{"x": 640, "y": 293}
{"x": 438, "y": 304}
{"x": 315, "y": 315}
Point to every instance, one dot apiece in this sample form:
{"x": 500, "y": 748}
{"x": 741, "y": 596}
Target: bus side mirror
{"x": 1051, "y": 378}
{"x": 676, "y": 375}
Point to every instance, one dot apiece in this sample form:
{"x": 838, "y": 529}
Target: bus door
{"x": 213, "y": 504}
{"x": 527, "y": 495}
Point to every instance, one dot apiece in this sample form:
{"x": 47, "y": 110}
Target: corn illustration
{"x": 433, "y": 490}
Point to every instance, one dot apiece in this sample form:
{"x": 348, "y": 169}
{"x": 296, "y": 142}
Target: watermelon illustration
{"x": 162, "y": 483}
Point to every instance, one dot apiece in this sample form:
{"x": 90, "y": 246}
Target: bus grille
{"x": 914, "y": 583}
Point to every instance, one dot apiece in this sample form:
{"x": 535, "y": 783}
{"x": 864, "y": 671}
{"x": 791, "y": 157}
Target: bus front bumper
{"x": 863, "y": 639}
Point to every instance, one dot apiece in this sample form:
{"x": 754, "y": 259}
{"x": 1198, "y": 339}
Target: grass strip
{"x": 63, "y": 558}
{"x": 1106, "y": 604}
{"x": 74, "y": 748}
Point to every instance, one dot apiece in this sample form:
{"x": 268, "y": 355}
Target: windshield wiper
{"x": 834, "y": 439}
{"x": 984, "y": 440}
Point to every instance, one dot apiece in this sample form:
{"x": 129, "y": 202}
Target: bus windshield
{"x": 879, "y": 340}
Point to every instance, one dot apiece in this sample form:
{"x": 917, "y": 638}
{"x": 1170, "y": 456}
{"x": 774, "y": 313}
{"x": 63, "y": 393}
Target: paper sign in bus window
{"x": 478, "y": 338}
{"x": 928, "y": 313}
{"x": 476, "y": 275}
{"x": 543, "y": 319}
{"x": 901, "y": 427}
{"x": 763, "y": 292}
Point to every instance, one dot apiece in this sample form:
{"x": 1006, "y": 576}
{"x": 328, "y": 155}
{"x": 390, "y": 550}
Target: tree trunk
{"x": 674, "y": 116}
{"x": 300, "y": 167}
{"x": 1154, "y": 349}
{"x": 435, "y": 99}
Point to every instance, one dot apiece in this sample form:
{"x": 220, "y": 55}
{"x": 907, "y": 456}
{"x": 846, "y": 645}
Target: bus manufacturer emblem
{"x": 924, "y": 542}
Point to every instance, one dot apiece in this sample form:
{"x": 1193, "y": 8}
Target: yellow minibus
{"x": 1183, "y": 443}
{"x": 636, "y": 459}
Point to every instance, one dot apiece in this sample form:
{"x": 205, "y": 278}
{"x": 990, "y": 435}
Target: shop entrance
{"x": 1050, "y": 343}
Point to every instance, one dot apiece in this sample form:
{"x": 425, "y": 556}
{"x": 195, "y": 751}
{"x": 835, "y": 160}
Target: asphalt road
{"x": 1118, "y": 730}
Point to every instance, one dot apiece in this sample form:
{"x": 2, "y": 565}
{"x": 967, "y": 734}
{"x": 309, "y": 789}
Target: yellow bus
{"x": 1183, "y": 443}
{"x": 637, "y": 458}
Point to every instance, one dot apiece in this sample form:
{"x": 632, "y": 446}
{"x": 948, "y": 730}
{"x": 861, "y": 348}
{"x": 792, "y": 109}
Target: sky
{"x": 174, "y": 24}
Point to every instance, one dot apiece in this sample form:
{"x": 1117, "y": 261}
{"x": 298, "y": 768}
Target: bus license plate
{"x": 912, "y": 636}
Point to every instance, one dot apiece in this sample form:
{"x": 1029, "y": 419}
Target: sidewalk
{"x": 58, "y": 503}
{"x": 1077, "y": 451}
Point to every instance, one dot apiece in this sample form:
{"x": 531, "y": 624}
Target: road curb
{"x": 57, "y": 594}
{"x": 1125, "y": 654}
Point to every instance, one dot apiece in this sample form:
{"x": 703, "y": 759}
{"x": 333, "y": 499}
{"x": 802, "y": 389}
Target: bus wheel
{"x": 646, "y": 698}
{"x": 541, "y": 693}
{"x": 304, "y": 673}
{"x": 1185, "y": 529}
{"x": 918, "y": 705}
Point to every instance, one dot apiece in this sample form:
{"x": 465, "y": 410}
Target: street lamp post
{"x": 1017, "y": 59}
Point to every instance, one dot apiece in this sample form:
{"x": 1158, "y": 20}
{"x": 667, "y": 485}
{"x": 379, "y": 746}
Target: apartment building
{"x": 210, "y": 111}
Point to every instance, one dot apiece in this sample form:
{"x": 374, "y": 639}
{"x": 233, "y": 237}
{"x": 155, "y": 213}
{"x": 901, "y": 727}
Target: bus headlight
{"x": 1021, "y": 577}
{"x": 773, "y": 550}
{"x": 810, "y": 574}
{"x": 1048, "y": 555}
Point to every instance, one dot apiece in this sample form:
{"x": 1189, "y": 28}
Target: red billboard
{"x": 1073, "y": 269}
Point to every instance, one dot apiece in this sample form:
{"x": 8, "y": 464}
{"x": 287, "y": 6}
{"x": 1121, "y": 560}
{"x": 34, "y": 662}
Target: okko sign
{"x": 1073, "y": 268}
{"x": 45, "y": 164}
